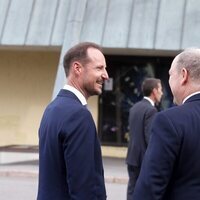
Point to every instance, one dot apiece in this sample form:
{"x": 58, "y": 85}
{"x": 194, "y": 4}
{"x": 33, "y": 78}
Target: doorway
{"x": 123, "y": 90}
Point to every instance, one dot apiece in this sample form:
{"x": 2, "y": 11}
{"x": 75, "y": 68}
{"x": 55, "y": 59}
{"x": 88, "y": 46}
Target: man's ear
{"x": 154, "y": 91}
{"x": 184, "y": 76}
{"x": 77, "y": 67}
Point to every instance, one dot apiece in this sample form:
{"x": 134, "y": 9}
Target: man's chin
{"x": 175, "y": 102}
{"x": 96, "y": 92}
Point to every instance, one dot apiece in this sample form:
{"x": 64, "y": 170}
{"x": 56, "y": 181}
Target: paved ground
{"x": 23, "y": 188}
{"x": 19, "y": 179}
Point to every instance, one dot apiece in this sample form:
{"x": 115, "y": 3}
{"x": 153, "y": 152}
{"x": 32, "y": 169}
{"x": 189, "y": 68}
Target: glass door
{"x": 123, "y": 89}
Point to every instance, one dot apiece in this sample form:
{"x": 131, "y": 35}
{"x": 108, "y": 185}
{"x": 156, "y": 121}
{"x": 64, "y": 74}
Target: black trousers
{"x": 133, "y": 173}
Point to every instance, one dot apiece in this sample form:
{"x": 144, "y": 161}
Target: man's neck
{"x": 150, "y": 100}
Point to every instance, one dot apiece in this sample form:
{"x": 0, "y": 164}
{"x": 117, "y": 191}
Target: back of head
{"x": 78, "y": 53}
{"x": 190, "y": 60}
{"x": 148, "y": 85}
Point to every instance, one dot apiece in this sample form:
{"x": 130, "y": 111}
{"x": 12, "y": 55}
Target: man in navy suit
{"x": 70, "y": 161}
{"x": 171, "y": 166}
{"x": 140, "y": 117}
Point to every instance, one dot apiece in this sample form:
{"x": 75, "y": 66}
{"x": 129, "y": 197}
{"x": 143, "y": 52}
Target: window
{"x": 124, "y": 89}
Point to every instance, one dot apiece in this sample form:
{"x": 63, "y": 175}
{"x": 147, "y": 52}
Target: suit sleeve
{"x": 158, "y": 163}
{"x": 83, "y": 160}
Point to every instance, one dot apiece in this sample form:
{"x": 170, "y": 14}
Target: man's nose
{"x": 105, "y": 75}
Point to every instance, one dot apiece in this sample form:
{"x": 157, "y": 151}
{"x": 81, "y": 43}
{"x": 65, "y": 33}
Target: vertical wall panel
{"x": 127, "y": 24}
{"x": 94, "y": 19}
{"x": 170, "y": 24}
{"x": 117, "y": 24}
{"x": 4, "y": 6}
{"x": 60, "y": 23}
{"x": 191, "y": 33}
{"x": 42, "y": 22}
{"x": 17, "y": 22}
{"x": 143, "y": 24}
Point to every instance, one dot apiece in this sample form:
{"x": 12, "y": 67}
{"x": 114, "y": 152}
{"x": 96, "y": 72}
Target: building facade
{"x": 139, "y": 38}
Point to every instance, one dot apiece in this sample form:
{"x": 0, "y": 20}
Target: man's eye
{"x": 99, "y": 68}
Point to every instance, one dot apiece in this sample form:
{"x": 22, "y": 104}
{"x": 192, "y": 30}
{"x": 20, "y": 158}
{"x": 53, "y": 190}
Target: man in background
{"x": 171, "y": 166}
{"x": 140, "y": 118}
{"x": 70, "y": 161}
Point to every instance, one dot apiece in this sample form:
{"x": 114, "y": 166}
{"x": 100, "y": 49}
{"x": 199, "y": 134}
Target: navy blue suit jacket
{"x": 171, "y": 165}
{"x": 140, "y": 118}
{"x": 70, "y": 162}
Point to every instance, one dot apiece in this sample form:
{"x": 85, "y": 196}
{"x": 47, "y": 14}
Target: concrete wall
{"x": 93, "y": 107}
{"x": 26, "y": 84}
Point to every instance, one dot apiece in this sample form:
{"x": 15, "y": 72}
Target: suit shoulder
{"x": 176, "y": 115}
{"x": 176, "y": 110}
{"x": 65, "y": 108}
{"x": 143, "y": 105}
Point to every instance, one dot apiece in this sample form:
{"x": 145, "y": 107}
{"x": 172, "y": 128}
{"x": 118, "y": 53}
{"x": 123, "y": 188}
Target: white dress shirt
{"x": 77, "y": 93}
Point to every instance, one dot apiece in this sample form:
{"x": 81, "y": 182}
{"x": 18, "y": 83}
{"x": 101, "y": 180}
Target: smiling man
{"x": 70, "y": 161}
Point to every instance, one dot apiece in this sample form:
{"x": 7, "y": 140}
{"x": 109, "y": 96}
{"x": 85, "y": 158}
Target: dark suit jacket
{"x": 140, "y": 117}
{"x": 171, "y": 166}
{"x": 70, "y": 162}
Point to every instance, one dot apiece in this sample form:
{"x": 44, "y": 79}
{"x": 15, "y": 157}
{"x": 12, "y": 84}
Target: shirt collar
{"x": 150, "y": 100}
{"x": 186, "y": 98}
{"x": 77, "y": 93}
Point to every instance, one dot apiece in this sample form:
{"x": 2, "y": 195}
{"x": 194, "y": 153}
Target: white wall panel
{"x": 170, "y": 22}
{"x": 117, "y": 23}
{"x": 42, "y": 22}
{"x": 4, "y": 6}
{"x": 94, "y": 21}
{"x": 60, "y": 23}
{"x": 191, "y": 31}
{"x": 143, "y": 24}
{"x": 127, "y": 24}
{"x": 17, "y": 22}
